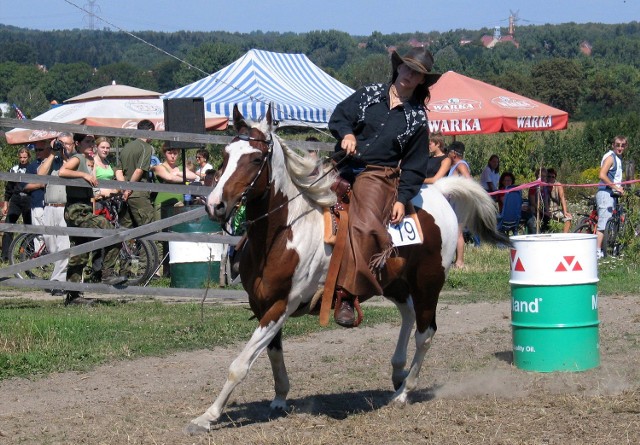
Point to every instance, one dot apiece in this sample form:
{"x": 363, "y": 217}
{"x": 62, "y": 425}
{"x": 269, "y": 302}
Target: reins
{"x": 248, "y": 223}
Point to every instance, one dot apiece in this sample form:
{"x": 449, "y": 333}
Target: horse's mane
{"x": 308, "y": 176}
{"x": 306, "y": 173}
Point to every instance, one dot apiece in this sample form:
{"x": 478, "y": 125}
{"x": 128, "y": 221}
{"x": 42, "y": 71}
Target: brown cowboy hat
{"x": 418, "y": 59}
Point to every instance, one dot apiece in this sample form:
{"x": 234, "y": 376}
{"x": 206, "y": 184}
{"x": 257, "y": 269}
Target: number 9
{"x": 408, "y": 228}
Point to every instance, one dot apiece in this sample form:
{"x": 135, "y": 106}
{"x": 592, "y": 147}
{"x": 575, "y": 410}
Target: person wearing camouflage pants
{"x": 79, "y": 213}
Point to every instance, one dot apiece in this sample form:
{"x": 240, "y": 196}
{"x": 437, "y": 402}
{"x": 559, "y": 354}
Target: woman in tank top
{"x": 102, "y": 168}
{"x": 439, "y": 163}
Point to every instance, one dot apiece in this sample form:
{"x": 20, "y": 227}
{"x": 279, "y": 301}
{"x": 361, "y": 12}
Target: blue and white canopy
{"x": 302, "y": 94}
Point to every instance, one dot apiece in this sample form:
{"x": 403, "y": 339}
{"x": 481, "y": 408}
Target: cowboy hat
{"x": 419, "y": 60}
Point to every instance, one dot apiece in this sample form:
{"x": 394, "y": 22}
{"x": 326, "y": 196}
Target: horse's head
{"x": 244, "y": 175}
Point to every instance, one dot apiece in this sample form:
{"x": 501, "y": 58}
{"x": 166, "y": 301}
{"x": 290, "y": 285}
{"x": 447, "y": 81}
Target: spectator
{"x": 170, "y": 172}
{"x": 202, "y": 161}
{"x": 383, "y": 130}
{"x": 17, "y": 201}
{"x": 103, "y": 170}
{"x": 79, "y": 213}
{"x": 102, "y": 166}
{"x": 538, "y": 198}
{"x": 55, "y": 199}
{"x": 209, "y": 178}
{"x": 459, "y": 167}
{"x": 491, "y": 174}
{"x": 506, "y": 181}
{"x": 36, "y": 191}
{"x": 610, "y": 179}
{"x": 439, "y": 163}
{"x": 135, "y": 161}
{"x": 557, "y": 203}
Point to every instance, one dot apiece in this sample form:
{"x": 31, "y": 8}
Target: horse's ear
{"x": 238, "y": 119}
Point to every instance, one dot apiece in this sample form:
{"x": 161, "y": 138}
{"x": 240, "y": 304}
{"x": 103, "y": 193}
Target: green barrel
{"x": 554, "y": 302}
{"x": 193, "y": 264}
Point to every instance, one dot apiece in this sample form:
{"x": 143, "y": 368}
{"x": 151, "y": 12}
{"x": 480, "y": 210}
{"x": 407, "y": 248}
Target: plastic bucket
{"x": 554, "y": 302}
{"x": 194, "y": 264}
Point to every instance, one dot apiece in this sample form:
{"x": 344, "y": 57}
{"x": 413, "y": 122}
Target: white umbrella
{"x": 106, "y": 107}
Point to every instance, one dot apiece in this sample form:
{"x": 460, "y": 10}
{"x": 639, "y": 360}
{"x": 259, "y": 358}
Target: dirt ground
{"x": 470, "y": 393}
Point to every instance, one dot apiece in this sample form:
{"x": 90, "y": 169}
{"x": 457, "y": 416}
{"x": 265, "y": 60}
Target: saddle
{"x": 336, "y": 222}
{"x": 335, "y": 214}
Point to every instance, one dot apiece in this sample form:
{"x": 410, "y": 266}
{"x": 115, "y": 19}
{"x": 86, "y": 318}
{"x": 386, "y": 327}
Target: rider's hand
{"x": 397, "y": 214}
{"x": 348, "y": 144}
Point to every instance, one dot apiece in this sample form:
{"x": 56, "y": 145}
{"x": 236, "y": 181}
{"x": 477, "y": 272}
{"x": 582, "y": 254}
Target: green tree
{"x": 13, "y": 74}
{"x": 64, "y": 81}
{"x": 31, "y": 101}
{"x": 124, "y": 73}
{"x": 371, "y": 69}
{"x": 165, "y": 74}
{"x": 558, "y": 82}
{"x": 447, "y": 59}
{"x": 207, "y": 58}
{"x": 330, "y": 49}
{"x": 519, "y": 155}
{"x": 19, "y": 52}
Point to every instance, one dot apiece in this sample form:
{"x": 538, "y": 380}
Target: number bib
{"x": 405, "y": 233}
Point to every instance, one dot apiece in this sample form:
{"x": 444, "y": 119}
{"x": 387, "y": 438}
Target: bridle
{"x": 266, "y": 162}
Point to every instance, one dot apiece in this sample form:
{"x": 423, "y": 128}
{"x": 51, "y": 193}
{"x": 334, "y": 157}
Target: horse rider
{"x": 383, "y": 131}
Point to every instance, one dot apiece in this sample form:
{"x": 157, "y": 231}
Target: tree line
{"x": 601, "y": 90}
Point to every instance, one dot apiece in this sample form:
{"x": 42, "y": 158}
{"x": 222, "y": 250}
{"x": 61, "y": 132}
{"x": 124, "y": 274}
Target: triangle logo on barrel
{"x": 516, "y": 264}
{"x": 569, "y": 263}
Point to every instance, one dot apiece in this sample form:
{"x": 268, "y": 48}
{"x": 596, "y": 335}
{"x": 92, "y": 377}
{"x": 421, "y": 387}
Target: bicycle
{"x": 612, "y": 243}
{"x": 29, "y": 246}
{"x": 138, "y": 259}
{"x": 588, "y": 223}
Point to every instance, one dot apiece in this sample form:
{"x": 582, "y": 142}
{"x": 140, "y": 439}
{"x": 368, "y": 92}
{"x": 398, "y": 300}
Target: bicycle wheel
{"x": 138, "y": 260}
{"x": 582, "y": 221}
{"x": 610, "y": 242}
{"x": 584, "y": 228}
{"x": 29, "y": 246}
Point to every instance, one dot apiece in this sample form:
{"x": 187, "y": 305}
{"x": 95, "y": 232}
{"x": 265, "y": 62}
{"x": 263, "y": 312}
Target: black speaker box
{"x": 185, "y": 115}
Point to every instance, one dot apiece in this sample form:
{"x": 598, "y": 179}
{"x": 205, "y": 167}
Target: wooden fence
{"x": 152, "y": 231}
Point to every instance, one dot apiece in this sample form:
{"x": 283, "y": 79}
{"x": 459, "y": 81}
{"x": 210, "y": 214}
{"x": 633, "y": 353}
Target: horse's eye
{"x": 256, "y": 161}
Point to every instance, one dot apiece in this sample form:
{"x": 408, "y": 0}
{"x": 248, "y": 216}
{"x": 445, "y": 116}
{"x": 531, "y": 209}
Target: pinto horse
{"x": 285, "y": 259}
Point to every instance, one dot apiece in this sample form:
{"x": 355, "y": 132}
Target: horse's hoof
{"x": 278, "y": 405}
{"x": 193, "y": 429}
{"x": 399, "y": 399}
{"x": 398, "y": 379}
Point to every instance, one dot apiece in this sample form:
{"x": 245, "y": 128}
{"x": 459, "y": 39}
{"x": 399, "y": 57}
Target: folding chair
{"x": 509, "y": 218}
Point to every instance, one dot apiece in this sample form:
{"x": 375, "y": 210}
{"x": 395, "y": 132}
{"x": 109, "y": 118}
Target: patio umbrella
{"x": 462, "y": 105}
{"x": 115, "y": 106}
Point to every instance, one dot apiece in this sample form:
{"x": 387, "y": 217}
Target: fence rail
{"x": 108, "y": 237}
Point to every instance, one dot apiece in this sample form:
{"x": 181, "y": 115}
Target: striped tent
{"x": 302, "y": 94}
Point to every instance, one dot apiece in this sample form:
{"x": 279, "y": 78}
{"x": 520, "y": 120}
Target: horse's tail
{"x": 473, "y": 206}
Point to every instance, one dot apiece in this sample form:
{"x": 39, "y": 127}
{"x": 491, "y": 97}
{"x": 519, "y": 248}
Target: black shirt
{"x": 385, "y": 137}
{"x": 433, "y": 165}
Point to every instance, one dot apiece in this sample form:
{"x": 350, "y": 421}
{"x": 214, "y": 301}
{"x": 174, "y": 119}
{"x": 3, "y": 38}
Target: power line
{"x": 93, "y": 15}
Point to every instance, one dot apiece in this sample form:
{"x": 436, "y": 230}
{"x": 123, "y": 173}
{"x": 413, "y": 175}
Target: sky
{"x": 355, "y": 17}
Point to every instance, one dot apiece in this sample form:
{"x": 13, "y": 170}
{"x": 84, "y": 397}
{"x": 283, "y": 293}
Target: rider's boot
{"x": 344, "y": 313}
